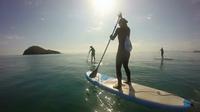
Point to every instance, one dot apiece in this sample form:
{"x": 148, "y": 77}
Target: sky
{"x": 71, "y": 26}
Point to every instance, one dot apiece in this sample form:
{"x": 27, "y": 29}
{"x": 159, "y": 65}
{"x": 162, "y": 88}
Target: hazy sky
{"x": 74, "y": 25}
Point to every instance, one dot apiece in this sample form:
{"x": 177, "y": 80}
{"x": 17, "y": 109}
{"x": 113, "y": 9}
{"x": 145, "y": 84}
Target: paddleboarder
{"x": 123, "y": 53}
{"x": 92, "y": 51}
{"x": 162, "y": 53}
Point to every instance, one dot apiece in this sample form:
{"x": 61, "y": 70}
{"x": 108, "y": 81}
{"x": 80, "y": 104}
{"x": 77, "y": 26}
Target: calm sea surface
{"x": 56, "y": 83}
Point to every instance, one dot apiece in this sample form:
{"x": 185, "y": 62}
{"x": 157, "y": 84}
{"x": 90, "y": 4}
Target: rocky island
{"x": 36, "y": 50}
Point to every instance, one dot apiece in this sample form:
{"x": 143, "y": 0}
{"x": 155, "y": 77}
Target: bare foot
{"x": 116, "y": 86}
{"x": 128, "y": 82}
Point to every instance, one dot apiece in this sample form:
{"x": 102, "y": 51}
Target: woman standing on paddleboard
{"x": 92, "y": 50}
{"x": 123, "y": 53}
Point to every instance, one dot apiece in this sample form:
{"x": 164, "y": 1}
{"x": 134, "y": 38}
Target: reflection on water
{"x": 161, "y": 64}
{"x": 104, "y": 102}
{"x": 91, "y": 68}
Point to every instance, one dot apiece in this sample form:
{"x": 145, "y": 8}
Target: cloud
{"x": 5, "y": 39}
{"x": 43, "y": 19}
{"x": 13, "y": 37}
{"x": 11, "y": 44}
{"x": 144, "y": 18}
{"x": 149, "y": 18}
{"x": 96, "y": 27}
{"x": 33, "y": 3}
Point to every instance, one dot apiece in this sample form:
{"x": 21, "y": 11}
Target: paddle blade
{"x": 94, "y": 73}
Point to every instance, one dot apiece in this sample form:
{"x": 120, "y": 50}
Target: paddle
{"x": 94, "y": 73}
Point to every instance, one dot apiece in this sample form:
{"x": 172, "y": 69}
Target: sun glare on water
{"x": 103, "y": 6}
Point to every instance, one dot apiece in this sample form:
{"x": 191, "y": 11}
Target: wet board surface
{"x": 141, "y": 94}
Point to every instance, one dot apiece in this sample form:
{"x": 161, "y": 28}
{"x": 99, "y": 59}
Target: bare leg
{"x": 125, "y": 65}
{"x": 118, "y": 71}
{"x": 91, "y": 58}
{"x": 128, "y": 73}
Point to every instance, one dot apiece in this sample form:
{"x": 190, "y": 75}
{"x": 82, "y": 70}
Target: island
{"x": 36, "y": 50}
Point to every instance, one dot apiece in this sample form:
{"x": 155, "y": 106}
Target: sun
{"x": 103, "y": 6}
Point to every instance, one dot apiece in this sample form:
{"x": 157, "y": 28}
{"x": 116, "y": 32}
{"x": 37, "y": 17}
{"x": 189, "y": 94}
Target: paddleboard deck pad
{"x": 141, "y": 94}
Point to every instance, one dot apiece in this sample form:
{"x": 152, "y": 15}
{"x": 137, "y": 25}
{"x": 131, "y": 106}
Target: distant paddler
{"x": 92, "y": 52}
{"x": 162, "y": 53}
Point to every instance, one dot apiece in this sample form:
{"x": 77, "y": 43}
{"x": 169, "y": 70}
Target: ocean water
{"x": 56, "y": 83}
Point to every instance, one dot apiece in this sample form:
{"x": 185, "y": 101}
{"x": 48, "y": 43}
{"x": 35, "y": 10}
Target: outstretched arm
{"x": 89, "y": 51}
{"x": 112, "y": 37}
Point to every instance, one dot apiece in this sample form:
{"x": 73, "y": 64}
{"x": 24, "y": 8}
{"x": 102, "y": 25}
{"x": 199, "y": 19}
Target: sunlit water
{"x": 55, "y": 83}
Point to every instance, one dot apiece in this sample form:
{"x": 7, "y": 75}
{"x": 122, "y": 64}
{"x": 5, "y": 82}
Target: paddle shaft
{"x": 107, "y": 44}
{"x": 94, "y": 73}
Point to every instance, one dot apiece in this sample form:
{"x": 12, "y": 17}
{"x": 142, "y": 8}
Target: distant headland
{"x": 36, "y": 50}
{"x": 196, "y": 51}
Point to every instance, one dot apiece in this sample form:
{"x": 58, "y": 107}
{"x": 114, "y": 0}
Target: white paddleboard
{"x": 141, "y": 94}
